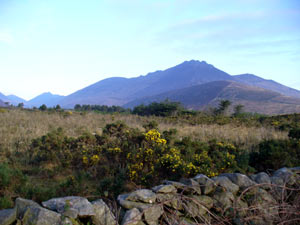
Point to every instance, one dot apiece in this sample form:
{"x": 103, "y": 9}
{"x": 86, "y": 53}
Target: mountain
{"x": 46, "y": 98}
{"x": 253, "y": 80}
{"x": 2, "y": 104}
{"x": 15, "y": 100}
{"x": 12, "y": 99}
{"x": 120, "y": 91}
{"x": 209, "y": 94}
{"x": 4, "y": 98}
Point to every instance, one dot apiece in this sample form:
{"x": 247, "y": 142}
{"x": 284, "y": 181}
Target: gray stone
{"x": 132, "y": 217}
{"x": 193, "y": 187}
{"x": 286, "y": 175}
{"x": 72, "y": 213}
{"x": 197, "y": 206}
{"x": 223, "y": 200}
{"x": 77, "y": 204}
{"x": 261, "y": 178}
{"x": 152, "y": 214}
{"x": 295, "y": 170}
{"x": 264, "y": 203}
{"x": 8, "y": 216}
{"x": 226, "y": 184}
{"x": 277, "y": 181}
{"x": 172, "y": 200}
{"x": 22, "y": 205}
{"x": 103, "y": 215}
{"x": 142, "y": 195}
{"x": 168, "y": 188}
{"x": 130, "y": 204}
{"x": 179, "y": 186}
{"x": 239, "y": 179}
{"x": 241, "y": 207}
{"x": 36, "y": 215}
{"x": 207, "y": 185}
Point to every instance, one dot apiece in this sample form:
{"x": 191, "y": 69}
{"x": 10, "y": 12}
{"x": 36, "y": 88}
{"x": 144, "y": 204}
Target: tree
{"x": 77, "y": 107}
{"x": 43, "y": 107}
{"x": 57, "y": 107}
{"x": 223, "y": 107}
{"x": 238, "y": 110}
{"x": 21, "y": 105}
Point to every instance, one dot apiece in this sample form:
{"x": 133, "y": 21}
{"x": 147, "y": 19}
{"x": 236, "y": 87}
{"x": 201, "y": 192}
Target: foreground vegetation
{"x": 50, "y": 153}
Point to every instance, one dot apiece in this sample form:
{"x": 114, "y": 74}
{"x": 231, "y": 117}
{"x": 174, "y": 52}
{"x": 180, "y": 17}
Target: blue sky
{"x": 64, "y": 45}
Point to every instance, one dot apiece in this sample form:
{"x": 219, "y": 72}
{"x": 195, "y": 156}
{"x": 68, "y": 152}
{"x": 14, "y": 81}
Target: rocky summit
{"x": 230, "y": 198}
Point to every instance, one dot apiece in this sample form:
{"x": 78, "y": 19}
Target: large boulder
{"x": 103, "y": 215}
{"x": 8, "y": 216}
{"x": 223, "y": 200}
{"x": 263, "y": 203}
{"x": 132, "y": 217}
{"x": 193, "y": 187}
{"x": 287, "y": 176}
{"x": 152, "y": 214}
{"x": 239, "y": 179}
{"x": 22, "y": 205}
{"x": 36, "y": 215}
{"x": 261, "y": 178}
{"x": 171, "y": 200}
{"x": 142, "y": 195}
{"x": 168, "y": 188}
{"x": 207, "y": 185}
{"x": 179, "y": 186}
{"x": 197, "y": 206}
{"x": 226, "y": 184}
{"x": 122, "y": 200}
{"x": 71, "y": 206}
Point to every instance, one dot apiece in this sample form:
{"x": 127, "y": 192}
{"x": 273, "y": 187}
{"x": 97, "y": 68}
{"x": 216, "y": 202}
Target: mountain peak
{"x": 195, "y": 62}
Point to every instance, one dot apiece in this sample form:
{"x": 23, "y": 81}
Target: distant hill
{"x": 209, "y": 94}
{"x": 184, "y": 78}
{"x": 2, "y": 104}
{"x": 253, "y": 80}
{"x": 15, "y": 100}
{"x": 46, "y": 98}
{"x": 4, "y": 98}
{"x": 12, "y": 99}
{"x": 120, "y": 91}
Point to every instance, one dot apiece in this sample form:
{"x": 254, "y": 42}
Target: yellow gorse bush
{"x": 154, "y": 135}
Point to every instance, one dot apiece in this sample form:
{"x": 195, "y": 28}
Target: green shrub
{"x": 274, "y": 154}
{"x": 294, "y": 133}
{"x": 6, "y": 202}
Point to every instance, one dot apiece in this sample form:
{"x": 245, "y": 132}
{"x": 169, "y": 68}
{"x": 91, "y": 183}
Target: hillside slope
{"x": 209, "y": 95}
{"x": 119, "y": 91}
{"x": 256, "y": 81}
{"x": 46, "y": 98}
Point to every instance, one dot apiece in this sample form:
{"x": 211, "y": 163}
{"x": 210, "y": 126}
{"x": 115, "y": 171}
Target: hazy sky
{"x": 64, "y": 45}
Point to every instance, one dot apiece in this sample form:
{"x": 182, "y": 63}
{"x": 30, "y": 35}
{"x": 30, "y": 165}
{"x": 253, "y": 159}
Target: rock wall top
{"x": 228, "y": 198}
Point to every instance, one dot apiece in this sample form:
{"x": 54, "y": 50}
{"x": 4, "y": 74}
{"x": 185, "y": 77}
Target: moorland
{"x": 100, "y": 151}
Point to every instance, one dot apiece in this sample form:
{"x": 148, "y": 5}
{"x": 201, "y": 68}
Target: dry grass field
{"x": 19, "y": 127}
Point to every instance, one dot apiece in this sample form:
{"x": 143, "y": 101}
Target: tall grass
{"x": 19, "y": 127}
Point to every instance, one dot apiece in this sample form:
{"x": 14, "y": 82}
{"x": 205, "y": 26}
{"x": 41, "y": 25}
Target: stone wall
{"x": 225, "y": 199}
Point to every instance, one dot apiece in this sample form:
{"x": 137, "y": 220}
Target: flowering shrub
{"x": 146, "y": 158}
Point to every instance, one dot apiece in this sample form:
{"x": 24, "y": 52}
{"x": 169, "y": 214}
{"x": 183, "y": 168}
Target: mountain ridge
{"x": 122, "y": 91}
{"x": 204, "y": 96}
{"x": 46, "y": 98}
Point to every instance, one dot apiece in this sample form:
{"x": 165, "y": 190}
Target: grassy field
{"x": 19, "y": 127}
{"x": 45, "y": 154}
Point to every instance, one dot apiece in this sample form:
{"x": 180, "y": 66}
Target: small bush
{"x": 294, "y": 133}
{"x": 275, "y": 154}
